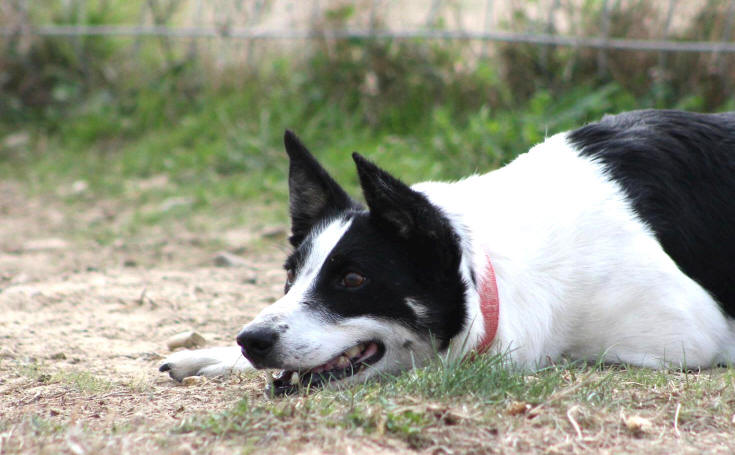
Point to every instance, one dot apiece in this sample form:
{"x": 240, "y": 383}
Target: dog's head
{"x": 368, "y": 291}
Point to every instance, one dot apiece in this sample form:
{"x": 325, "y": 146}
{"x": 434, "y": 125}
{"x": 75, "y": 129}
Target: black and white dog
{"x": 615, "y": 241}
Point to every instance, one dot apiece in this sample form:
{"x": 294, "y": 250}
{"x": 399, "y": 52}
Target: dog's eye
{"x": 353, "y": 280}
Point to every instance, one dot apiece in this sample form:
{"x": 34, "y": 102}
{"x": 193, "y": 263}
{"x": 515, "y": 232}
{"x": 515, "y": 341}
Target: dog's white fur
{"x": 578, "y": 274}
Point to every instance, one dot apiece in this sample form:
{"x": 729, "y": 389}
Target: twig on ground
{"x": 573, "y": 421}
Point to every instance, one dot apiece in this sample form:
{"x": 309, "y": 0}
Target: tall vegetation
{"x": 139, "y": 106}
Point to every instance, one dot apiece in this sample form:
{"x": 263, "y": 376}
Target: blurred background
{"x": 188, "y": 99}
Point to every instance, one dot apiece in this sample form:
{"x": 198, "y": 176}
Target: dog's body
{"x": 612, "y": 242}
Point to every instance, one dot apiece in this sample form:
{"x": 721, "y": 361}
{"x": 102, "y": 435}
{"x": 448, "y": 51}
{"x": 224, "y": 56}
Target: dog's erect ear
{"x": 394, "y": 205}
{"x": 313, "y": 194}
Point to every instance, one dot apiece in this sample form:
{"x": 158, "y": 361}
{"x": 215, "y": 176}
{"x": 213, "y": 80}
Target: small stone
{"x": 294, "y": 378}
{"x": 193, "y": 381}
{"x": 518, "y": 407}
{"x": 58, "y": 356}
{"x": 638, "y": 425}
{"x": 188, "y": 340}
{"x": 225, "y": 259}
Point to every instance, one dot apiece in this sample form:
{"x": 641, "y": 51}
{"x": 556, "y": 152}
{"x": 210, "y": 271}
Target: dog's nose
{"x": 257, "y": 344}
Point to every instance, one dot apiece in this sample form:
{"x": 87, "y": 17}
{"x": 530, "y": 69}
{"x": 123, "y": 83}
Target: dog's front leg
{"x": 210, "y": 362}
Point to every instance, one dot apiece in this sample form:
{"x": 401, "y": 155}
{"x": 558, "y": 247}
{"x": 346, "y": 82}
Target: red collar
{"x": 489, "y": 306}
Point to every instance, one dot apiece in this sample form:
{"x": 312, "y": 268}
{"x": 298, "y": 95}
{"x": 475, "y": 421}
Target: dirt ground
{"x": 84, "y": 327}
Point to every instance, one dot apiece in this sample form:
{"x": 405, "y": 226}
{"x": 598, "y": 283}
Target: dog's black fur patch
{"x": 403, "y": 245}
{"x": 395, "y": 268}
{"x": 678, "y": 170}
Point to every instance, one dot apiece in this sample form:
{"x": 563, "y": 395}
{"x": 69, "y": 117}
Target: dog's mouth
{"x": 342, "y": 366}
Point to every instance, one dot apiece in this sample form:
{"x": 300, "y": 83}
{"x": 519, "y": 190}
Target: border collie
{"x": 612, "y": 242}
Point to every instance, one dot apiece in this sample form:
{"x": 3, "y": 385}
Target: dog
{"x": 613, "y": 242}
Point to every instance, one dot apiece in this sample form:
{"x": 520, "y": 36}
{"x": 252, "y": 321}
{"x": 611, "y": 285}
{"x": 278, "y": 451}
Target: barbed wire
{"x": 160, "y": 13}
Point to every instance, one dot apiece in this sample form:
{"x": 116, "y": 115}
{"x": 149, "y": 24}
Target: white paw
{"x": 205, "y": 362}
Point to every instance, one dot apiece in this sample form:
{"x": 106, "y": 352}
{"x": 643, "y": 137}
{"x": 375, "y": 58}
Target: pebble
{"x": 638, "y": 425}
{"x": 188, "y": 340}
{"x": 193, "y": 380}
{"x": 225, "y": 259}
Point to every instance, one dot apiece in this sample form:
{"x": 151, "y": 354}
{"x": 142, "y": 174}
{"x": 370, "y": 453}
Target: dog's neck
{"x": 489, "y": 305}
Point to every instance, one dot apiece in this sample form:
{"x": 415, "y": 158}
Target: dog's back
{"x": 678, "y": 170}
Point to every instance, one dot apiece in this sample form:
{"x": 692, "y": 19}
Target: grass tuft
{"x": 451, "y": 400}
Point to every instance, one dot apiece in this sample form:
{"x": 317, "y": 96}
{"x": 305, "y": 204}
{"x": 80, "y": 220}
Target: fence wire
{"x": 479, "y": 20}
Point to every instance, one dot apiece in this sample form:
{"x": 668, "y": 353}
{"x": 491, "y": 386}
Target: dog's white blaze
{"x": 578, "y": 272}
{"x": 322, "y": 242}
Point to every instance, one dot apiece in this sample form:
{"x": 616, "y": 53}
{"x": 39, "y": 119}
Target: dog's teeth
{"x": 343, "y": 362}
{"x": 294, "y": 378}
{"x": 353, "y": 351}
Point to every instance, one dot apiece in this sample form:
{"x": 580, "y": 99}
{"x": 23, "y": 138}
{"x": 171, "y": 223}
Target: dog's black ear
{"x": 313, "y": 194}
{"x": 394, "y": 205}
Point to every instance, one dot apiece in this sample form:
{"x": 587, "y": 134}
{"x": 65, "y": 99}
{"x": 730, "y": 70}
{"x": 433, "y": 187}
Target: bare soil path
{"x": 83, "y": 327}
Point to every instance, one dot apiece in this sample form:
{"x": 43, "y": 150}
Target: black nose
{"x": 257, "y": 344}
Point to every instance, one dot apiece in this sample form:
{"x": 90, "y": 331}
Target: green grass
{"x": 80, "y": 381}
{"x": 228, "y": 147}
{"x": 457, "y": 399}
